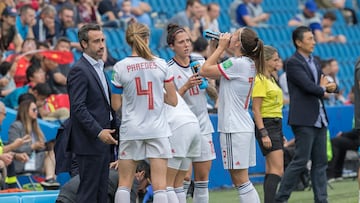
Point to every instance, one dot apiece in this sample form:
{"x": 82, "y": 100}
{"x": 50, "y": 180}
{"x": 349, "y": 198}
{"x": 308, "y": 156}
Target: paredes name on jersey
{"x": 142, "y": 66}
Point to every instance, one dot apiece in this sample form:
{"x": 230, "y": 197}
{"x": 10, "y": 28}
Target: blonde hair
{"x": 136, "y": 34}
{"x": 269, "y": 52}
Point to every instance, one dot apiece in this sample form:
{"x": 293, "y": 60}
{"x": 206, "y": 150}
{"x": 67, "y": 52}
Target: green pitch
{"x": 345, "y": 191}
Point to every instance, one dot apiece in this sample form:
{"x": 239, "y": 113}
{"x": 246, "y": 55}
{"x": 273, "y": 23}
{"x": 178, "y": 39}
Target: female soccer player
{"x": 187, "y": 83}
{"x": 185, "y": 146}
{"x": 235, "y": 125}
{"x": 144, "y": 131}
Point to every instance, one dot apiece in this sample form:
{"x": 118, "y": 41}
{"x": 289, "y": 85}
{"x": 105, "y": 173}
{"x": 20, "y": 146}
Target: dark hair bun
{"x": 172, "y": 26}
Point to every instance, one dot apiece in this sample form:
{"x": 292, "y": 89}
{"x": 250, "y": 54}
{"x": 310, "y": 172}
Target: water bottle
{"x": 209, "y": 34}
{"x": 195, "y": 66}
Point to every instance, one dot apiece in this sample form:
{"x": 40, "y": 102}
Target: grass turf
{"x": 345, "y": 191}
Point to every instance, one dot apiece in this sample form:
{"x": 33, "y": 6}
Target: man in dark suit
{"x": 307, "y": 117}
{"x": 92, "y": 120}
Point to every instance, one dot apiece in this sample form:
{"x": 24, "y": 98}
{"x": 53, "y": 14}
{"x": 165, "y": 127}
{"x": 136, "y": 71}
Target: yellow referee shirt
{"x": 271, "y": 93}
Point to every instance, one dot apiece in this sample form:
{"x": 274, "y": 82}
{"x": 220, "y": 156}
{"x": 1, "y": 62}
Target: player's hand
{"x": 114, "y": 165}
{"x": 224, "y": 40}
{"x": 194, "y": 80}
{"x": 266, "y": 142}
{"x": 106, "y": 137}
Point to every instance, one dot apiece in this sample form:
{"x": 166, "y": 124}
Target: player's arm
{"x": 210, "y": 68}
{"x": 116, "y": 101}
{"x": 170, "y": 94}
{"x": 116, "y": 98}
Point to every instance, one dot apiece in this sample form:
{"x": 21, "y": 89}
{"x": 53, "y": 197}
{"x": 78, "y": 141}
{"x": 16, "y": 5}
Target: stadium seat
{"x": 39, "y": 198}
{"x": 155, "y": 37}
{"x": 10, "y": 199}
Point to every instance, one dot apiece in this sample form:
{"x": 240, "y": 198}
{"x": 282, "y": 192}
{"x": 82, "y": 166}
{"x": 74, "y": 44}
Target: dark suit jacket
{"x": 89, "y": 110}
{"x": 304, "y": 92}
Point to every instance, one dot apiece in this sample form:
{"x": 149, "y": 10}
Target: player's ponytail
{"x": 252, "y": 47}
{"x": 137, "y": 36}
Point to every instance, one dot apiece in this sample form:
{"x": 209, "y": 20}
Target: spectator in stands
{"x": 22, "y": 63}
{"x": 141, "y": 11}
{"x": 63, "y": 44}
{"x": 311, "y": 18}
{"x": 126, "y": 17}
{"x": 210, "y": 18}
{"x": 25, "y": 21}
{"x": 33, "y": 3}
{"x": 41, "y": 158}
{"x": 7, "y": 154}
{"x": 307, "y": 116}
{"x": 45, "y": 29}
{"x": 334, "y": 70}
{"x": 267, "y": 108}
{"x": 64, "y": 20}
{"x": 6, "y": 3}
{"x": 35, "y": 75}
{"x": 189, "y": 19}
{"x": 86, "y": 13}
{"x": 248, "y": 13}
{"x": 10, "y": 38}
{"x": 7, "y": 83}
{"x": 54, "y": 78}
{"x": 349, "y": 14}
{"x": 41, "y": 91}
{"x": 357, "y": 105}
{"x": 109, "y": 10}
{"x": 327, "y": 22}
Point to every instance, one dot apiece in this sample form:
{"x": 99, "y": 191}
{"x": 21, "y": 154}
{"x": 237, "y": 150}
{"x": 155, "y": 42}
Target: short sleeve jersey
{"x": 195, "y": 97}
{"x": 180, "y": 114}
{"x": 271, "y": 93}
{"x": 236, "y": 84}
{"x": 143, "y": 107}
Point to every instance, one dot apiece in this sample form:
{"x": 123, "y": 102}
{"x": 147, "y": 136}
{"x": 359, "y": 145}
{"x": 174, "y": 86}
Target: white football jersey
{"x": 195, "y": 97}
{"x": 238, "y": 75}
{"x": 143, "y": 107}
{"x": 180, "y": 114}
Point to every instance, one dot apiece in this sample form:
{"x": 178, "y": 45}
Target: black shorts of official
{"x": 274, "y": 128}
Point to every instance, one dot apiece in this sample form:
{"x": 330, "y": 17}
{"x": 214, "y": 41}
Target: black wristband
{"x": 263, "y": 132}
